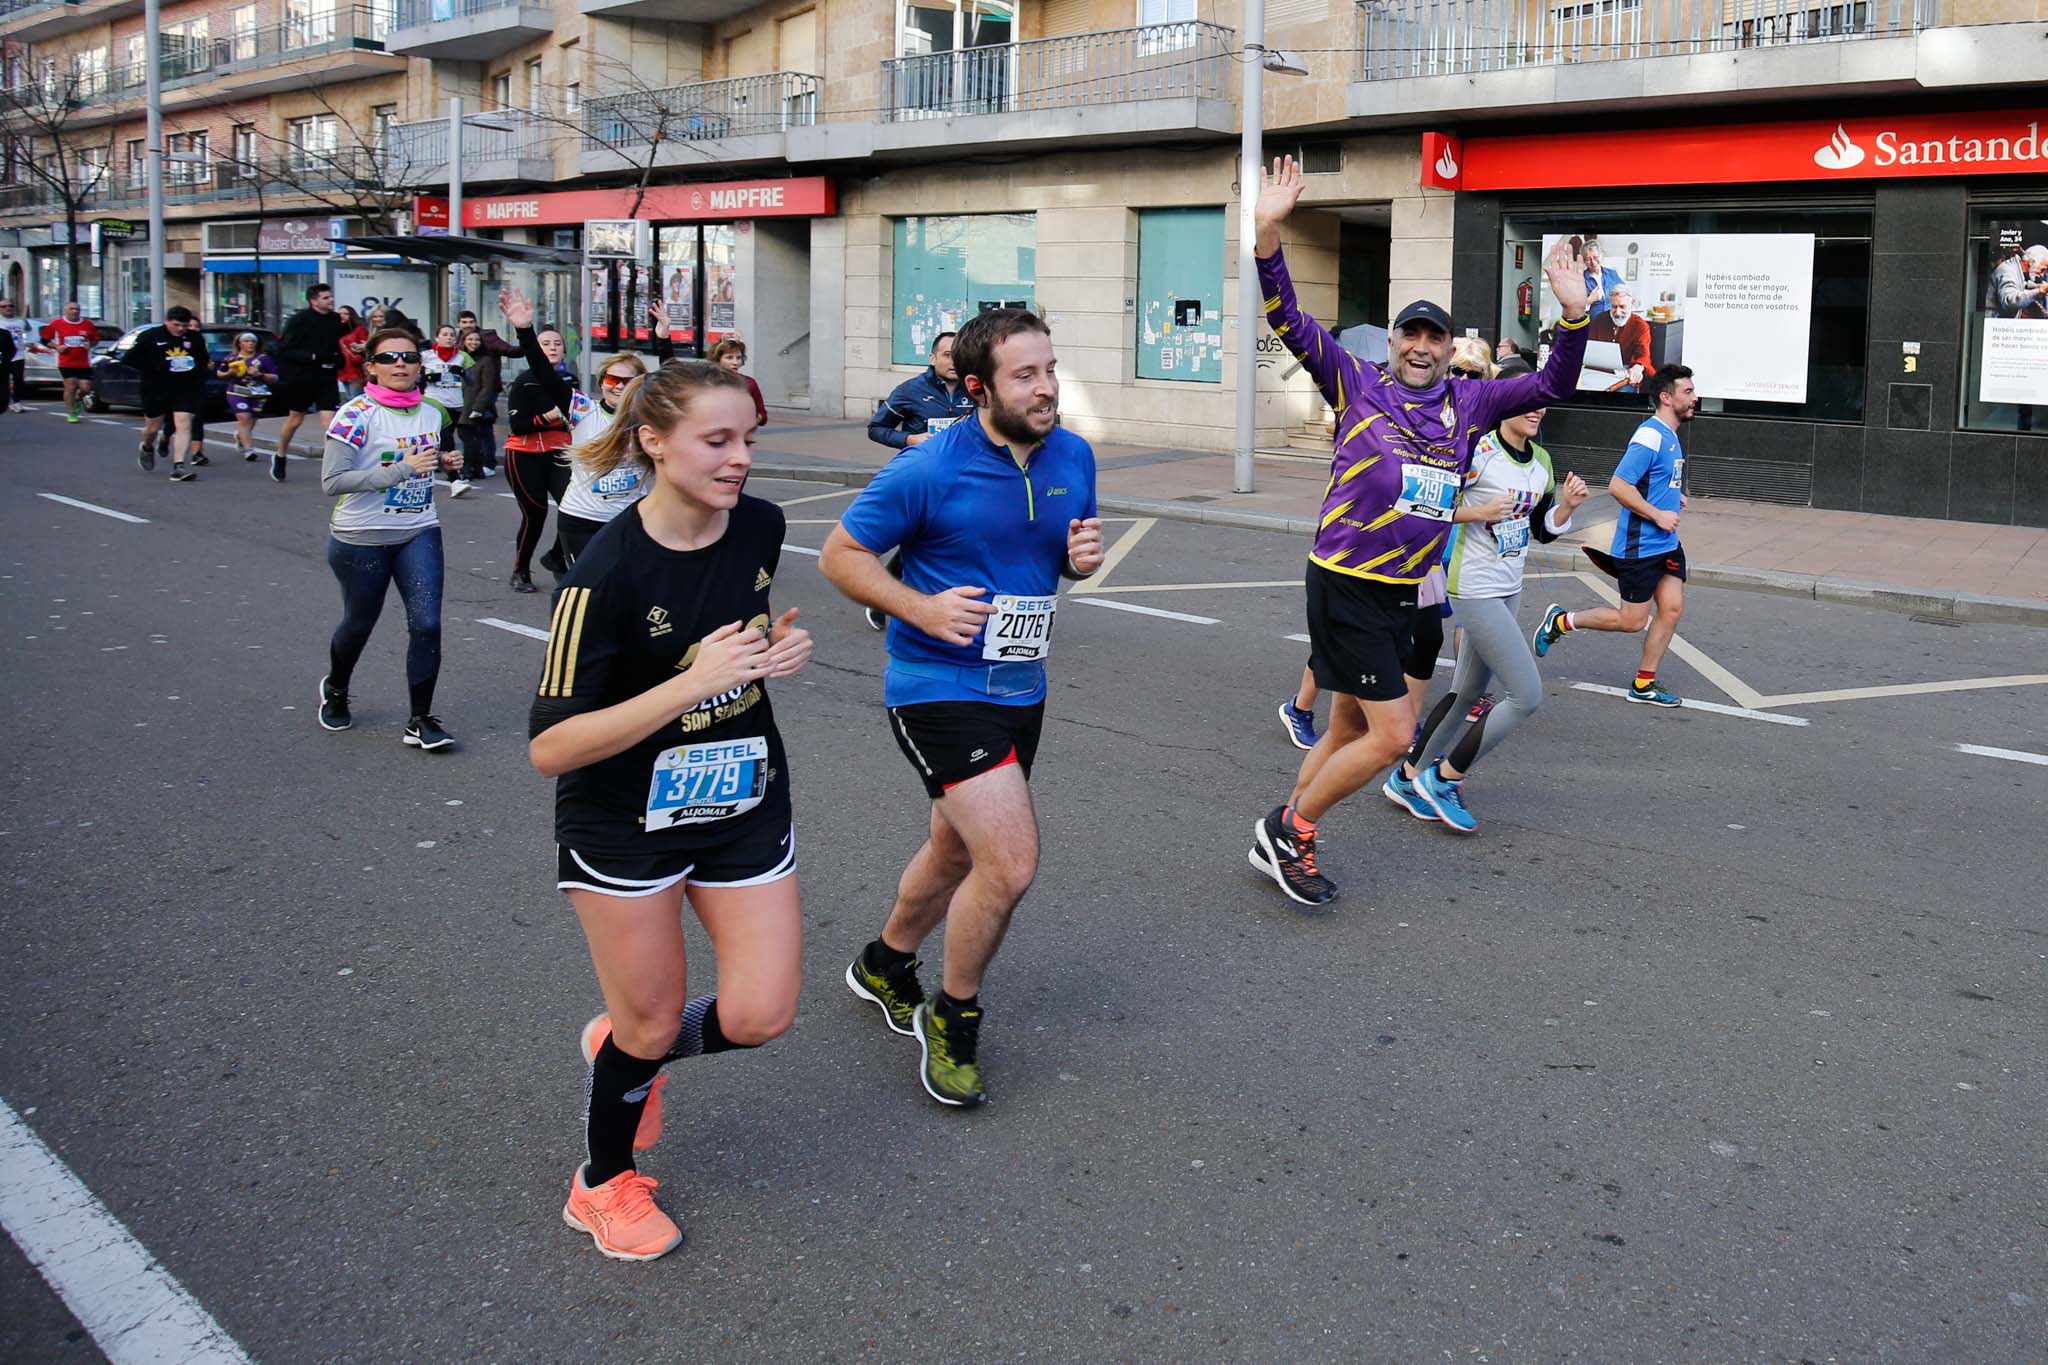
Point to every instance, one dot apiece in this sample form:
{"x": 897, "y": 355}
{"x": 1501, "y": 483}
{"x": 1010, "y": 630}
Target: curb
{"x": 1974, "y": 608}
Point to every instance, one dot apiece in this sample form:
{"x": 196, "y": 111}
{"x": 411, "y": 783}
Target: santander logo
{"x": 1447, "y": 165}
{"x": 1841, "y": 152}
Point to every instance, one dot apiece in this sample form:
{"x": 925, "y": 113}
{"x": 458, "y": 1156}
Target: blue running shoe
{"x": 1654, "y": 695}
{"x": 1445, "y": 799}
{"x": 1405, "y": 794}
{"x": 1301, "y": 725}
{"x": 1549, "y": 633}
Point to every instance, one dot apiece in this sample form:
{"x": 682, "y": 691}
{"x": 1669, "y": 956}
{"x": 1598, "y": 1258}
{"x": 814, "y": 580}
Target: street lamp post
{"x": 1251, "y": 156}
{"x": 153, "y": 98}
{"x": 454, "y": 194}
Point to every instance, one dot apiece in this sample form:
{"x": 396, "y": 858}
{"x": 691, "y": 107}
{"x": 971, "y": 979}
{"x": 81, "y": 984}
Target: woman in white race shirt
{"x": 441, "y": 367}
{"x": 381, "y": 454}
{"x": 592, "y": 499}
{"x": 1510, "y": 497}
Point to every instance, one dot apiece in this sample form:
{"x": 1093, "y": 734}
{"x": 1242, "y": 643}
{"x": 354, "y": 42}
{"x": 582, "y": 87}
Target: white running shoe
{"x": 458, "y": 488}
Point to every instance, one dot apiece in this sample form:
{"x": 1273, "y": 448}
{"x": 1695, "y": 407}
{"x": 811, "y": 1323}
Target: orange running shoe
{"x": 622, "y": 1217}
{"x": 649, "y": 1131}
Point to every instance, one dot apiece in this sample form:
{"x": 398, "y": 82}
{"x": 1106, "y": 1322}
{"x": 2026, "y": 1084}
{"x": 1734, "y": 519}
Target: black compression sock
{"x": 1436, "y": 718}
{"x": 953, "y": 1008}
{"x": 700, "y": 1035}
{"x": 423, "y": 697}
{"x": 619, "y": 1084}
{"x": 882, "y": 959}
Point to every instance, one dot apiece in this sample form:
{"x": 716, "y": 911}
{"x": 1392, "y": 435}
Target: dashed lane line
{"x": 1907, "y": 690}
{"x": 800, "y": 550}
{"x": 1148, "y": 611}
{"x": 134, "y": 1310}
{"x": 1746, "y": 713}
{"x": 2011, "y": 755}
{"x": 531, "y": 632}
{"x": 820, "y": 497}
{"x": 95, "y": 507}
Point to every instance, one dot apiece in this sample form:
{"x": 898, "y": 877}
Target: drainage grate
{"x": 1196, "y": 497}
{"x": 1936, "y": 620}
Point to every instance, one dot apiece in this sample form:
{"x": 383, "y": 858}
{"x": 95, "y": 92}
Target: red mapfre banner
{"x": 803, "y": 197}
{"x": 2008, "y": 143}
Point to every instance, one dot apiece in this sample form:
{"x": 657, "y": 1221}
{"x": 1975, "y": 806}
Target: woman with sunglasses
{"x": 589, "y": 499}
{"x": 1510, "y": 495}
{"x": 382, "y": 451}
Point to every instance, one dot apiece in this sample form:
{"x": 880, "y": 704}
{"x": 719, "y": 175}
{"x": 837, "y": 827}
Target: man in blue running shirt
{"x": 991, "y": 514}
{"x": 1646, "y": 560}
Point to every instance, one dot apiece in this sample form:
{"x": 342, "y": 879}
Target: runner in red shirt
{"x": 73, "y": 339}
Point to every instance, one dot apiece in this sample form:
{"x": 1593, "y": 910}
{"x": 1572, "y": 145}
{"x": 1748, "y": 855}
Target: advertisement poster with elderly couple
{"x": 1736, "y": 307}
{"x": 2015, "y": 314}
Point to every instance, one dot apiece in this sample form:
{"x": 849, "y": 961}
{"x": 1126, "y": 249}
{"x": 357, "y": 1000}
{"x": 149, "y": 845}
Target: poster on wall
{"x": 1735, "y": 307}
{"x": 363, "y": 287}
{"x": 2015, "y": 314}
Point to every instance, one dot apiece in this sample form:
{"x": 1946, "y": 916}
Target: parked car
{"x": 39, "y": 367}
{"x": 117, "y": 384}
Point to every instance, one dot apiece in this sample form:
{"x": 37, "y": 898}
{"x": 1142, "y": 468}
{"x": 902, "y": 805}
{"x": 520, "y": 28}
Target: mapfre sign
{"x": 799, "y": 197}
{"x": 2002, "y": 143}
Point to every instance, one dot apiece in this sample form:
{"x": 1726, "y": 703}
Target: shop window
{"x": 2005, "y": 311}
{"x": 1180, "y": 294}
{"x": 1770, "y": 308}
{"x": 949, "y": 269}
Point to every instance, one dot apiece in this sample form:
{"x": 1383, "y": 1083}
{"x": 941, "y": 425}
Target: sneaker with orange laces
{"x": 1288, "y": 856}
{"x": 622, "y": 1217}
{"x": 649, "y": 1131}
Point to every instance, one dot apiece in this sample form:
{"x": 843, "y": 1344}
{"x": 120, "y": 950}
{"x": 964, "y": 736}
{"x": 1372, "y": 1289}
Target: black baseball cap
{"x": 1422, "y": 310}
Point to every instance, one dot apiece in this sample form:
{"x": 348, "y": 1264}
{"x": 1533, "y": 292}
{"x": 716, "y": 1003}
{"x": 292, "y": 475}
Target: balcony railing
{"x": 1401, "y": 38}
{"x": 740, "y": 107}
{"x": 413, "y": 13}
{"x": 1160, "y": 61}
{"x": 495, "y": 135}
{"x": 308, "y": 35}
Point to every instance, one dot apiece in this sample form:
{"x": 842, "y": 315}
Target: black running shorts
{"x": 1638, "y": 578}
{"x": 949, "y": 742}
{"x": 163, "y": 402}
{"x": 312, "y": 391}
{"x": 82, "y": 373}
{"x": 1360, "y": 632}
{"x": 759, "y": 855}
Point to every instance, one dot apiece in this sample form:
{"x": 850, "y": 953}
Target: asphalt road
{"x": 1720, "y": 1039}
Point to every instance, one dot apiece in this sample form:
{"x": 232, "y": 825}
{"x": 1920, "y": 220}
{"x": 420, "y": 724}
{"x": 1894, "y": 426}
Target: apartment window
{"x": 187, "y": 47}
{"x": 501, "y": 90}
{"x": 92, "y": 167}
{"x": 308, "y": 23}
{"x": 89, "y": 74}
{"x": 572, "y": 97}
{"x": 950, "y": 269}
{"x": 138, "y": 164}
{"x": 245, "y": 153}
{"x": 185, "y": 159}
{"x": 313, "y": 141}
{"x": 536, "y": 93}
{"x": 133, "y": 54}
{"x": 244, "y": 24}
{"x": 384, "y": 135}
{"x": 1152, "y": 12}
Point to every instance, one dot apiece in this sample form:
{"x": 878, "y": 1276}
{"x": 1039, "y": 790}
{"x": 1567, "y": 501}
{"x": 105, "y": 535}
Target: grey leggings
{"x": 1495, "y": 647}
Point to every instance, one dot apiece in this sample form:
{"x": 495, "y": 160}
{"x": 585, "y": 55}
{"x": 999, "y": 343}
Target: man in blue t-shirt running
{"x": 991, "y": 514}
{"x": 1646, "y": 560}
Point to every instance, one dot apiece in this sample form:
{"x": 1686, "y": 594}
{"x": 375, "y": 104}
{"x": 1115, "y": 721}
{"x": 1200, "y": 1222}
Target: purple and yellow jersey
{"x": 1401, "y": 453}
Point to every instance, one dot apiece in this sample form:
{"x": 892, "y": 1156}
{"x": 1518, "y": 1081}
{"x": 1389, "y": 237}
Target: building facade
{"x": 839, "y": 180}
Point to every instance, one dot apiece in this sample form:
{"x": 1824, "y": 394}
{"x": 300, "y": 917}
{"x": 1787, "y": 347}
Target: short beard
{"x": 1011, "y": 425}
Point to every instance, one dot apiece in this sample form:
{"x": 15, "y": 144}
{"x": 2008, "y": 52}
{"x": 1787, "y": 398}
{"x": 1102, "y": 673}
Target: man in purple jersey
{"x": 1404, "y": 438}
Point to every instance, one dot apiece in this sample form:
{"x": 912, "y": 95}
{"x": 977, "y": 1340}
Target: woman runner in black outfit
{"x": 653, "y": 713}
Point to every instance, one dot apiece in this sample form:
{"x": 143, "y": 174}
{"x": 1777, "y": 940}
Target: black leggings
{"x": 535, "y": 476}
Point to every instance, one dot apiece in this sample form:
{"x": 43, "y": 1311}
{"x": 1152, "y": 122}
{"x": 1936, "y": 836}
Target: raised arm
{"x": 1335, "y": 370}
{"x": 519, "y": 312}
{"x": 1495, "y": 399}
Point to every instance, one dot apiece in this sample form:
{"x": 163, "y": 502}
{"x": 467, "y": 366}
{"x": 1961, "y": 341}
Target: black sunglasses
{"x": 1467, "y": 374}
{"x": 395, "y": 358}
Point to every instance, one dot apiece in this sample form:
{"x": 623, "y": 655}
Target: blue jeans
{"x": 365, "y": 572}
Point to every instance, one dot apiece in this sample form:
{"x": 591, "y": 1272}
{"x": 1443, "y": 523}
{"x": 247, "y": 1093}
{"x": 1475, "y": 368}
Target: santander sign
{"x": 1996, "y": 143}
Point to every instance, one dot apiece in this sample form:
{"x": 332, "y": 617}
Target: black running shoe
{"x": 1290, "y": 860}
{"x": 425, "y": 732}
{"x": 898, "y": 992}
{"x": 277, "y": 468}
{"x": 876, "y": 621}
{"x": 145, "y": 455}
{"x": 199, "y": 458}
{"x": 522, "y": 581}
{"x": 949, "y": 1068}
{"x": 183, "y": 473}
{"x": 334, "y": 708}
{"x": 553, "y": 562}
{"x": 250, "y": 455}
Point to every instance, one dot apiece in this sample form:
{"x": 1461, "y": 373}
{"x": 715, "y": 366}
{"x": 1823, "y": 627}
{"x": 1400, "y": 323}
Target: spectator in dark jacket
{"x": 477, "y": 423}
{"x": 7, "y": 354}
{"x": 922, "y": 407}
{"x": 493, "y": 344}
{"x": 311, "y": 355}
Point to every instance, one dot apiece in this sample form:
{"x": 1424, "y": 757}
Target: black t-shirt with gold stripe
{"x": 630, "y": 617}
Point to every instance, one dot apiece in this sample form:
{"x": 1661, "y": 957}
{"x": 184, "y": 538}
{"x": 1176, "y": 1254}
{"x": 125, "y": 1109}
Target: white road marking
{"x": 800, "y": 550}
{"x": 118, "y": 1292}
{"x": 820, "y": 497}
{"x": 2015, "y": 755}
{"x": 1199, "y": 587}
{"x": 531, "y": 632}
{"x": 1716, "y": 707}
{"x": 1908, "y": 689}
{"x": 1738, "y": 691}
{"x": 1127, "y": 542}
{"x": 94, "y": 507}
{"x": 1302, "y": 638}
{"x": 109, "y": 422}
{"x": 1149, "y": 611}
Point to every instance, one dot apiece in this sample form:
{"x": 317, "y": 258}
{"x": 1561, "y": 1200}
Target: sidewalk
{"x": 1945, "y": 568}
{"x": 1957, "y": 569}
